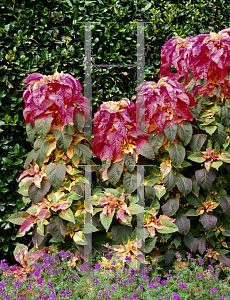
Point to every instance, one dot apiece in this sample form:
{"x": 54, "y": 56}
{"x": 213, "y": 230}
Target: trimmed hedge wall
{"x": 38, "y": 36}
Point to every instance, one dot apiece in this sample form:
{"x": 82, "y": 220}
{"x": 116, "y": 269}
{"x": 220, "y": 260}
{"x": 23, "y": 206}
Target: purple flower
{"x": 3, "y": 283}
{"x": 144, "y": 277}
{"x": 79, "y": 255}
{"x": 169, "y": 275}
{"x": 113, "y": 287}
{"x": 212, "y": 291}
{"x": 175, "y": 296}
{"x": 157, "y": 279}
{"x": 183, "y": 285}
{"x": 113, "y": 263}
{"x": 201, "y": 261}
{"x": 50, "y": 284}
{"x": 108, "y": 255}
{"x": 97, "y": 266}
{"x": 140, "y": 287}
{"x": 134, "y": 296}
{"x": 75, "y": 277}
{"x": 199, "y": 275}
{"x": 20, "y": 298}
{"x": 39, "y": 280}
{"x": 96, "y": 281}
{"x": 128, "y": 259}
{"x": 163, "y": 282}
{"x": 99, "y": 294}
{"x": 18, "y": 283}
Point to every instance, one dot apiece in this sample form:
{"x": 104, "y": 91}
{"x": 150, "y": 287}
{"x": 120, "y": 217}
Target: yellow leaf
{"x": 78, "y": 236}
{"x": 51, "y": 147}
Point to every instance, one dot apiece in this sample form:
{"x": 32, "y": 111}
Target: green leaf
{"x": 160, "y": 191}
{"x": 106, "y": 220}
{"x": 177, "y": 241}
{"x": 225, "y": 204}
{"x": 43, "y": 126}
{"x": 224, "y": 259}
{"x": 36, "y": 194}
{"x": 29, "y": 159}
{"x": 191, "y": 242}
{"x": 216, "y": 164}
{"x": 185, "y": 132}
{"x": 210, "y": 129}
{"x": 130, "y": 161}
{"x": 120, "y": 232}
{"x": 193, "y": 200}
{"x": 40, "y": 151}
{"x": 114, "y": 172}
{"x": 18, "y": 218}
{"x": 156, "y": 141}
{"x": 88, "y": 228}
{"x": 184, "y": 184}
{"x": 67, "y": 215}
{"x": 56, "y": 174}
{"x": 205, "y": 178}
{"x": 170, "y": 131}
{"x": 170, "y": 207}
{"x": 23, "y": 190}
{"x": 150, "y": 244}
{"x": 170, "y": 227}
{"x": 170, "y": 181}
{"x": 69, "y": 129}
{"x": 79, "y": 121}
{"x": 131, "y": 181}
{"x": 136, "y": 209}
{"x": 83, "y": 152}
{"x": 195, "y": 111}
{"x": 147, "y": 151}
{"x": 57, "y": 227}
{"x": 183, "y": 224}
{"x": 197, "y": 142}
{"x": 31, "y": 131}
{"x": 225, "y": 117}
{"x": 168, "y": 256}
{"x": 208, "y": 221}
{"x": 202, "y": 245}
{"x": 219, "y": 135}
{"x": 197, "y": 157}
{"x": 176, "y": 153}
{"x": 63, "y": 139}
{"x": 106, "y": 164}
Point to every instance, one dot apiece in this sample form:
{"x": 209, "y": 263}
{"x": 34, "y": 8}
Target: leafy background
{"x": 38, "y": 36}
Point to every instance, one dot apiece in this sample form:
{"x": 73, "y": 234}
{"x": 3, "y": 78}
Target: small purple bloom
{"x": 140, "y": 287}
{"x": 157, "y": 279}
{"x": 97, "y": 266}
{"x": 175, "y": 296}
{"x": 163, "y": 282}
{"x": 108, "y": 255}
{"x": 113, "y": 287}
{"x": 134, "y": 296}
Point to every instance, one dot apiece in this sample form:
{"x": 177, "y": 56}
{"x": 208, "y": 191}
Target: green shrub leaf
{"x": 56, "y": 174}
{"x": 170, "y": 207}
{"x": 208, "y": 221}
{"x": 185, "y": 132}
{"x": 197, "y": 142}
{"x": 176, "y": 153}
{"x": 170, "y": 131}
{"x": 184, "y": 184}
{"x": 131, "y": 181}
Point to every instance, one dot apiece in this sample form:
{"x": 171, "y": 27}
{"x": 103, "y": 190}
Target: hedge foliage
{"x": 38, "y": 36}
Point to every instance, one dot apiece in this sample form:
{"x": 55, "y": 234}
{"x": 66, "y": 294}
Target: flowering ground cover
{"x": 63, "y": 275}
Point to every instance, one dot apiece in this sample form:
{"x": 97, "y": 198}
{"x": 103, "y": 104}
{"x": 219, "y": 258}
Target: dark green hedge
{"x": 42, "y": 36}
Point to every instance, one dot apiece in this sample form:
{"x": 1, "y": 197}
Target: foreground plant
{"x": 55, "y": 276}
